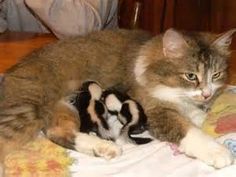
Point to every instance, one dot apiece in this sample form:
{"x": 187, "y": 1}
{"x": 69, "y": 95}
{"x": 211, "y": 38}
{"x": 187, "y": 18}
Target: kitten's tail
{"x": 141, "y": 140}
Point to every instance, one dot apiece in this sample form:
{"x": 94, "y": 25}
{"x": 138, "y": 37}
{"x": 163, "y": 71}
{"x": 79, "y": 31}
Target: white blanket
{"x": 156, "y": 159}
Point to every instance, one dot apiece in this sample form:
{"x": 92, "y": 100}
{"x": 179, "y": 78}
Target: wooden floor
{"x": 13, "y": 46}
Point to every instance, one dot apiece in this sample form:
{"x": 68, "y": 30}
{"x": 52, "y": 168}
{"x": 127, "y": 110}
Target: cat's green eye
{"x": 191, "y": 76}
{"x": 216, "y": 75}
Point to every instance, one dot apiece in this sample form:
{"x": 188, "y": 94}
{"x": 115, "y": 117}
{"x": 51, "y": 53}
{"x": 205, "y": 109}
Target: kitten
{"x": 95, "y": 115}
{"x": 174, "y": 76}
{"x": 129, "y": 113}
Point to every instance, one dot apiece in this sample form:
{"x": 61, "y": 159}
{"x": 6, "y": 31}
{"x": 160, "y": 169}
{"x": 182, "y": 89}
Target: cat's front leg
{"x": 196, "y": 115}
{"x": 198, "y": 144}
{"x": 169, "y": 125}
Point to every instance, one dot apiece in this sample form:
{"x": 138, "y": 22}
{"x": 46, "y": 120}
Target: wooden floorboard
{"x": 15, "y": 45}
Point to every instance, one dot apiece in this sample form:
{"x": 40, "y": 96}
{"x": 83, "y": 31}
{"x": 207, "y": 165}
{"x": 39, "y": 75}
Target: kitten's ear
{"x": 222, "y": 43}
{"x": 174, "y": 44}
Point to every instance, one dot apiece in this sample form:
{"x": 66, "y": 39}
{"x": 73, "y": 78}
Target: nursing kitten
{"x": 174, "y": 76}
{"x": 97, "y": 109}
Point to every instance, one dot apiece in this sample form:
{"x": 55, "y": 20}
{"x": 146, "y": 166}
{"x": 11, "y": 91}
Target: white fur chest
{"x": 177, "y": 97}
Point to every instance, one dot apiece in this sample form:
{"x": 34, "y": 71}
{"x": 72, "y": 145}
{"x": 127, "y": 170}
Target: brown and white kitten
{"x": 174, "y": 76}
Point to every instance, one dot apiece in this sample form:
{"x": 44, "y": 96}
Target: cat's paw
{"x": 203, "y": 147}
{"x": 107, "y": 150}
{"x": 216, "y": 155}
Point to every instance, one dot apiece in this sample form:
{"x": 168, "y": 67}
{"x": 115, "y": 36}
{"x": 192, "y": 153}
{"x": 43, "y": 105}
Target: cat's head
{"x": 179, "y": 65}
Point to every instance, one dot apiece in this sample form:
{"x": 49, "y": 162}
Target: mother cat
{"x": 175, "y": 76}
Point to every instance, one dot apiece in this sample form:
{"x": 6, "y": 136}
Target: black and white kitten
{"x": 96, "y": 107}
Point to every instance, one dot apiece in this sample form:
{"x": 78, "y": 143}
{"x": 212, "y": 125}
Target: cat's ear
{"x": 174, "y": 44}
{"x": 222, "y": 43}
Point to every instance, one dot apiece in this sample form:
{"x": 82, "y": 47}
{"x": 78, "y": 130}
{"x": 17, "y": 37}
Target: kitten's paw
{"x": 107, "y": 150}
{"x": 94, "y": 145}
{"x": 203, "y": 147}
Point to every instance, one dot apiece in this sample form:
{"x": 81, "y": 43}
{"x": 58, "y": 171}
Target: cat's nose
{"x": 206, "y": 94}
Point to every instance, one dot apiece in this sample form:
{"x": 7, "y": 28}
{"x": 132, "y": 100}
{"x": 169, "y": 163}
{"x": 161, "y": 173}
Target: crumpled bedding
{"x": 156, "y": 159}
{"x": 40, "y": 158}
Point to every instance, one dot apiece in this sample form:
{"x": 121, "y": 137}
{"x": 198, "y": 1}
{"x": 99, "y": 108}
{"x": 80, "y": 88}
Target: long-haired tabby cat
{"x": 174, "y": 76}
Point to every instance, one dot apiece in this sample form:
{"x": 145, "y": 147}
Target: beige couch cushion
{"x": 63, "y": 17}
